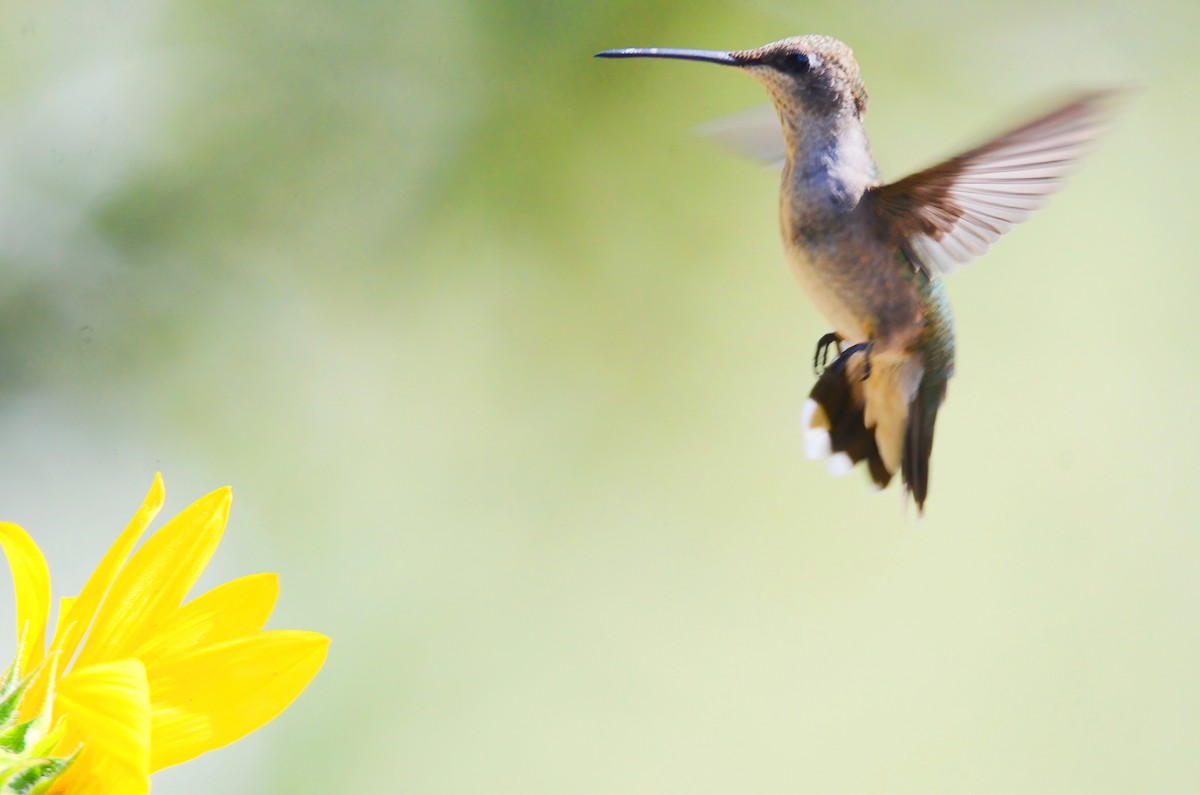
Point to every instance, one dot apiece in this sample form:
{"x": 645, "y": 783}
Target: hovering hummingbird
{"x": 870, "y": 255}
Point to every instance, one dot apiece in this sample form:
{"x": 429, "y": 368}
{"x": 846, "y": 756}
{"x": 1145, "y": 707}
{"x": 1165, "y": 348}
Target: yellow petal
{"x": 75, "y": 623}
{"x": 236, "y": 608}
{"x": 31, "y": 579}
{"x": 42, "y": 684}
{"x": 65, "y": 603}
{"x": 107, "y": 707}
{"x": 155, "y": 580}
{"x": 209, "y": 697}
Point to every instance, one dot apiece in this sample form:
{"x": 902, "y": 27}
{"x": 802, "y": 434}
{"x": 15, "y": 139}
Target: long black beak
{"x": 709, "y": 56}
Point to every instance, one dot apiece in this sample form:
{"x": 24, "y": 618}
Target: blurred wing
{"x": 950, "y": 214}
{"x": 754, "y": 134}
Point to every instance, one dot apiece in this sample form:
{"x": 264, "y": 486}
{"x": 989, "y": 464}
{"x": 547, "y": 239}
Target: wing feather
{"x": 950, "y": 214}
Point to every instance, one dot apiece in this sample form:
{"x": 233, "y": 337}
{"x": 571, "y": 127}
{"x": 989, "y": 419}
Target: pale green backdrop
{"x": 505, "y": 368}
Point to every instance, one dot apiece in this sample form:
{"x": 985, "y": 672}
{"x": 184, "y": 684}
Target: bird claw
{"x": 821, "y": 357}
{"x": 862, "y": 347}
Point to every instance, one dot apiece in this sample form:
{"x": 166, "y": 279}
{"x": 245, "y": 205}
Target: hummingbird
{"x": 870, "y": 255}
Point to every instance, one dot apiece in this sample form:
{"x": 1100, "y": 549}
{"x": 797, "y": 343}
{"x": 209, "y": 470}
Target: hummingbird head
{"x": 819, "y": 95}
{"x": 809, "y": 78}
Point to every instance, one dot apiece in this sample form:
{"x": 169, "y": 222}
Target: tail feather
{"x": 918, "y": 437}
{"x": 834, "y": 425}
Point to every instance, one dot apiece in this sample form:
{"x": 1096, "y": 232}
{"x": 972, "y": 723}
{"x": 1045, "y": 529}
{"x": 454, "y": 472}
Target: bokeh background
{"x": 505, "y": 368}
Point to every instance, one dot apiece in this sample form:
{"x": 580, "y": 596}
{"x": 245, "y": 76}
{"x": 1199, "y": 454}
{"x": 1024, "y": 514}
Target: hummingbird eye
{"x": 797, "y": 63}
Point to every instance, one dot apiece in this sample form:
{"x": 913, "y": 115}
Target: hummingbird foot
{"x": 865, "y": 349}
{"x": 821, "y": 357}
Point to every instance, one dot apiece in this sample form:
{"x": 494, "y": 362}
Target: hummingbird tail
{"x": 835, "y": 426}
{"x": 918, "y": 436}
{"x": 885, "y": 420}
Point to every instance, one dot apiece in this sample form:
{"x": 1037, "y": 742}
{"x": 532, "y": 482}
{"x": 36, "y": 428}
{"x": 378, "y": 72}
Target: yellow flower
{"x": 134, "y": 679}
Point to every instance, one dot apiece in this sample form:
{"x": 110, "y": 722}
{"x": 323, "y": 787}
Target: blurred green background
{"x": 505, "y": 368}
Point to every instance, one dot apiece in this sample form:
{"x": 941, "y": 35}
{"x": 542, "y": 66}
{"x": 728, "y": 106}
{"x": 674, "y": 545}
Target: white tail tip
{"x": 839, "y": 464}
{"x": 817, "y": 444}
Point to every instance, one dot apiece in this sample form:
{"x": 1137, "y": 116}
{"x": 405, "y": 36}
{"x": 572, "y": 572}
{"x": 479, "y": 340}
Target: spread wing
{"x": 950, "y": 214}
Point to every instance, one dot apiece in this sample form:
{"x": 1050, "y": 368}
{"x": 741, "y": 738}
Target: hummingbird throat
{"x": 829, "y": 165}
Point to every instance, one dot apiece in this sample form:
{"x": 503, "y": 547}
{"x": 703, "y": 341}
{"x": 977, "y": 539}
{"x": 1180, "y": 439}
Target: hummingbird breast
{"x": 860, "y": 284}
